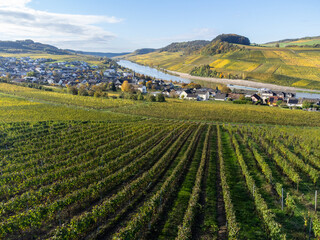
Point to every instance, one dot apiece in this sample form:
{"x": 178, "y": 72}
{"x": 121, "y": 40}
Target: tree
{"x": 126, "y": 87}
{"x": 72, "y": 90}
{"x": 306, "y": 104}
{"x": 140, "y": 97}
{"x": 31, "y": 74}
{"x": 149, "y": 84}
{"x": 83, "y": 91}
{"x": 224, "y": 89}
{"x": 277, "y": 45}
{"x": 160, "y": 98}
{"x": 151, "y": 98}
{"x": 112, "y": 86}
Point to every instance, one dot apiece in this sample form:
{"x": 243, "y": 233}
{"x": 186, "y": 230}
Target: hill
{"x": 29, "y": 46}
{"x": 232, "y": 38}
{"x": 98, "y": 54}
{"x": 290, "y": 66}
{"x": 144, "y": 51}
{"x": 306, "y": 41}
{"x": 185, "y": 47}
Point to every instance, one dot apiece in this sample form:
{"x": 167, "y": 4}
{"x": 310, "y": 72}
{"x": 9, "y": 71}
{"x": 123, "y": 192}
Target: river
{"x": 152, "y": 72}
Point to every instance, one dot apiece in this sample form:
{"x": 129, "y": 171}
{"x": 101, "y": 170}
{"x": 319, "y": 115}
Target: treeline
{"x": 186, "y": 47}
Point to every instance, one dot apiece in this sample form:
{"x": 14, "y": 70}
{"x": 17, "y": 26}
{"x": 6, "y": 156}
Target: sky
{"x": 127, "y": 25}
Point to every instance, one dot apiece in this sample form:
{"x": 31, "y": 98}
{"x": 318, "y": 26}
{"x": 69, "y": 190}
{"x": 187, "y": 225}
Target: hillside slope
{"x": 306, "y": 41}
{"x": 297, "y": 67}
{"x": 29, "y": 46}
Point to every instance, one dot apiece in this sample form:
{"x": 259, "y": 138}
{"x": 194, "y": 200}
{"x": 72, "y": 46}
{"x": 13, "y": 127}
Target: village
{"x": 78, "y": 74}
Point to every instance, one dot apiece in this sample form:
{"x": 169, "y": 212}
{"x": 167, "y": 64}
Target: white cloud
{"x": 13, "y": 3}
{"x": 18, "y": 21}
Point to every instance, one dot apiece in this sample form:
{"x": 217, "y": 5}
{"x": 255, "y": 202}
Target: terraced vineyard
{"x": 163, "y": 179}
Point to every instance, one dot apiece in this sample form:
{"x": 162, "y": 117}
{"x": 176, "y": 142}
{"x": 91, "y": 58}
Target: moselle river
{"x": 152, "y": 72}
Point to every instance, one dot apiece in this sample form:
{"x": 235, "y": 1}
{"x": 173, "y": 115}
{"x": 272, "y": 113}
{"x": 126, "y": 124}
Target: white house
{"x": 203, "y": 95}
{"x": 192, "y": 97}
{"x": 142, "y": 89}
{"x": 109, "y": 72}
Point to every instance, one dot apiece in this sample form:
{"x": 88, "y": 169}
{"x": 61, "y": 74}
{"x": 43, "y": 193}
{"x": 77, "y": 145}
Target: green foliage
{"x": 29, "y": 46}
{"x": 160, "y": 98}
{"x": 186, "y": 47}
{"x": 72, "y": 90}
{"x": 31, "y": 74}
{"x": 307, "y": 104}
{"x": 232, "y": 38}
{"x": 218, "y": 47}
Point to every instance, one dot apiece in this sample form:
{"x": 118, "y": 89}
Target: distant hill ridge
{"x": 144, "y": 51}
{"x": 186, "y": 47}
{"x": 29, "y": 46}
{"x": 98, "y": 54}
{"x": 294, "y": 39}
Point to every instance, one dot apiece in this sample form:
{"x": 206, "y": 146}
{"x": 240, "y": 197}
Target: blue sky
{"x": 116, "y": 26}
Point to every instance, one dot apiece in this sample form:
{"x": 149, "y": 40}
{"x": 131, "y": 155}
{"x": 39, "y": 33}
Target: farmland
{"x": 77, "y": 167}
{"x": 298, "y": 67}
{"x": 147, "y": 180}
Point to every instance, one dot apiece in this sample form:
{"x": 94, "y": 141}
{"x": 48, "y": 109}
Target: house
{"x": 265, "y": 94}
{"x": 256, "y": 98}
{"x": 184, "y": 93}
{"x": 272, "y": 101}
{"x": 235, "y": 96}
{"x": 166, "y": 92}
{"x": 142, "y": 88}
{"x": 192, "y": 96}
{"x": 221, "y": 97}
{"x": 203, "y": 94}
{"x": 293, "y": 102}
{"x": 109, "y": 72}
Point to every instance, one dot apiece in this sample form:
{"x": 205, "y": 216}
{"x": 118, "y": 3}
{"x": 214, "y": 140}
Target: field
{"x": 84, "y": 168}
{"x": 57, "y": 58}
{"x": 156, "y": 180}
{"x": 297, "y": 67}
{"x": 59, "y": 106}
{"x": 301, "y": 42}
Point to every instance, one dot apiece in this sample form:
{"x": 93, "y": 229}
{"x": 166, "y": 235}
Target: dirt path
{"x": 221, "y": 212}
{"x": 245, "y": 83}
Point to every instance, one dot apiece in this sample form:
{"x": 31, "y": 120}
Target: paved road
{"x": 244, "y": 83}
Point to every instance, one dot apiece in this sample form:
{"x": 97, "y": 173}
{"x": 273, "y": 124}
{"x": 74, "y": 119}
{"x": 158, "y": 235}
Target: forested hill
{"x": 29, "y": 46}
{"x": 144, "y": 51}
{"x": 186, "y": 47}
{"x": 232, "y": 38}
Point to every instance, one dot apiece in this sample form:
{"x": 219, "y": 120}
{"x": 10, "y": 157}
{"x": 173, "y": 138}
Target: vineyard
{"x": 157, "y": 179}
